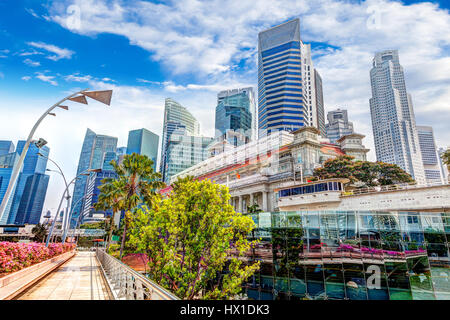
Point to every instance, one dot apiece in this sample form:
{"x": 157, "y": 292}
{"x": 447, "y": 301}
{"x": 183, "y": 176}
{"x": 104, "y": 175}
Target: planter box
{"x": 14, "y": 283}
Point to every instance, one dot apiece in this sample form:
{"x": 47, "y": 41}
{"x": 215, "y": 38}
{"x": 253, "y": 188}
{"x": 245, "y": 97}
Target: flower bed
{"x": 16, "y": 256}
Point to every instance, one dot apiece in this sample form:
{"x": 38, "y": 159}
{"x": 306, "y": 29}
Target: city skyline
{"x": 143, "y": 97}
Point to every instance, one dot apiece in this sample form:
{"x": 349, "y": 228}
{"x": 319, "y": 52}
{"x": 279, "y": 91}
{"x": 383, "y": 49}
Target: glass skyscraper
{"x": 33, "y": 172}
{"x": 287, "y": 98}
{"x": 28, "y": 196}
{"x": 234, "y": 112}
{"x": 6, "y": 147}
{"x": 32, "y": 199}
{"x": 144, "y": 142}
{"x": 338, "y": 125}
{"x": 95, "y": 148}
{"x": 430, "y": 156}
{"x": 177, "y": 119}
{"x": 184, "y": 151}
{"x": 393, "y": 120}
{"x": 7, "y": 162}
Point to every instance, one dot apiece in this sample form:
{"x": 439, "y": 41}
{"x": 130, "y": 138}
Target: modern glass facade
{"x": 281, "y": 105}
{"x": 354, "y": 255}
{"x": 234, "y": 111}
{"x": 430, "y": 156}
{"x": 33, "y": 166}
{"x": 95, "y": 148}
{"x": 338, "y": 125}
{"x": 392, "y": 113}
{"x": 144, "y": 142}
{"x": 185, "y": 151}
{"x": 6, "y": 147}
{"x": 7, "y": 162}
{"x": 95, "y": 180}
{"x": 177, "y": 120}
{"x": 32, "y": 199}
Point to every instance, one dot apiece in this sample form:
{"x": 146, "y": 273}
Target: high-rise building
{"x": 177, "y": 119}
{"x": 144, "y": 142}
{"x": 28, "y": 196}
{"x": 184, "y": 151}
{"x": 234, "y": 115}
{"x": 7, "y": 163}
{"x": 338, "y": 125}
{"x": 32, "y": 178}
{"x": 287, "y": 97}
{"x": 393, "y": 120}
{"x": 430, "y": 156}
{"x": 320, "y": 108}
{"x": 32, "y": 199}
{"x": 93, "y": 152}
{"x": 6, "y": 147}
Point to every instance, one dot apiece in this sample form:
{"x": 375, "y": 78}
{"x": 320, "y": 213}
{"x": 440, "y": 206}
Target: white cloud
{"x": 25, "y": 78}
{"x": 46, "y": 78}
{"x": 216, "y": 42}
{"x": 78, "y": 78}
{"x": 59, "y": 53}
{"x": 31, "y": 63}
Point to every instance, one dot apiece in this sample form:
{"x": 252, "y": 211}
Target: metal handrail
{"x": 128, "y": 284}
{"x": 391, "y": 187}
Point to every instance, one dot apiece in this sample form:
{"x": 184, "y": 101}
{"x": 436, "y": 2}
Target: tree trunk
{"x": 110, "y": 234}
{"x": 122, "y": 245}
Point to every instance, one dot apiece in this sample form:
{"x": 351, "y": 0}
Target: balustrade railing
{"x": 391, "y": 187}
{"x": 128, "y": 284}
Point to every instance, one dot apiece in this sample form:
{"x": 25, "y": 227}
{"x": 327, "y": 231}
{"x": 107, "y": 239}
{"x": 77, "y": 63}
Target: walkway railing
{"x": 391, "y": 187}
{"x": 128, "y": 284}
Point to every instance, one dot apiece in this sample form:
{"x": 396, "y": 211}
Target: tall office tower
{"x": 338, "y": 125}
{"x": 6, "y": 147}
{"x": 319, "y": 119}
{"x": 121, "y": 152}
{"x": 430, "y": 156}
{"x": 144, "y": 142}
{"x": 234, "y": 113}
{"x": 32, "y": 199}
{"x": 34, "y": 179}
{"x": 393, "y": 121}
{"x": 286, "y": 80}
{"x": 184, "y": 151}
{"x": 92, "y": 156}
{"x": 177, "y": 119}
{"x": 443, "y": 166}
{"x": 7, "y": 163}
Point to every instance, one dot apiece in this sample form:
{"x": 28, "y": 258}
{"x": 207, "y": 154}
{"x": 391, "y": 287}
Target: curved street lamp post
{"x": 80, "y": 97}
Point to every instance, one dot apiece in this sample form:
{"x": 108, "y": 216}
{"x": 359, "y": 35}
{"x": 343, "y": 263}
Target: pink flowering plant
{"x": 16, "y": 256}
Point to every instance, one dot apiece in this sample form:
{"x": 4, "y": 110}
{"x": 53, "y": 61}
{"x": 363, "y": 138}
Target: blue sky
{"x": 189, "y": 50}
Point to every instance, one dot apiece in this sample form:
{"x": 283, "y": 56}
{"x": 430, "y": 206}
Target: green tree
{"x": 369, "y": 173}
{"x": 194, "y": 240}
{"x": 446, "y": 157}
{"x": 40, "y": 232}
{"x": 137, "y": 184}
{"x": 339, "y": 167}
{"x": 254, "y": 208}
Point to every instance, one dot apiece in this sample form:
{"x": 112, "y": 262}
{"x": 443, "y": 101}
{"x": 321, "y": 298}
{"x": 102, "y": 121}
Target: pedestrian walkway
{"x": 78, "y": 279}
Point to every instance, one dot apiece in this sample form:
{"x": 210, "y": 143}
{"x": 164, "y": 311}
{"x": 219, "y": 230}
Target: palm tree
{"x": 136, "y": 183}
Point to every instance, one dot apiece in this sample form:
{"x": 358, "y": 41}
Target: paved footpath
{"x": 78, "y": 279}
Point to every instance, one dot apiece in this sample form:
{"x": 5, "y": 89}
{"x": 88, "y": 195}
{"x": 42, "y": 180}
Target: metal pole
{"x": 59, "y": 207}
{"x": 18, "y": 166}
{"x": 70, "y": 216}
